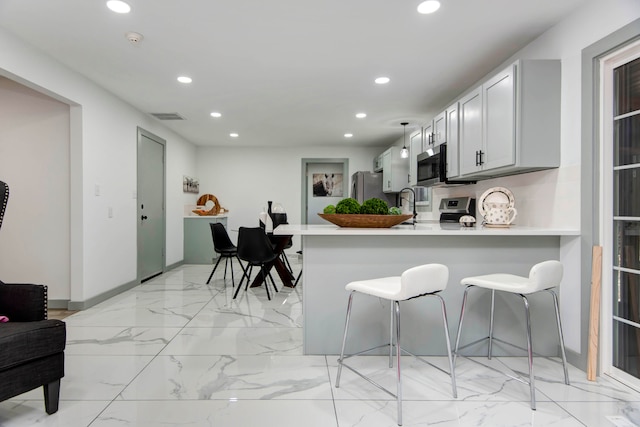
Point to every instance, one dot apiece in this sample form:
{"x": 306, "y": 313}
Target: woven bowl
{"x": 365, "y": 221}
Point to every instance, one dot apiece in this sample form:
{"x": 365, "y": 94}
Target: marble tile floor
{"x": 177, "y": 352}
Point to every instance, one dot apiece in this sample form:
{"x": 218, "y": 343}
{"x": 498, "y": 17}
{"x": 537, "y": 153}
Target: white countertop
{"x": 421, "y": 229}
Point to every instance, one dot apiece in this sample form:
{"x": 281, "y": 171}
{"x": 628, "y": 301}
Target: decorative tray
{"x": 365, "y": 221}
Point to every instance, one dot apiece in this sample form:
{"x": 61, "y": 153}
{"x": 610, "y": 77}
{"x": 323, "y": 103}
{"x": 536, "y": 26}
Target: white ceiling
{"x": 285, "y": 72}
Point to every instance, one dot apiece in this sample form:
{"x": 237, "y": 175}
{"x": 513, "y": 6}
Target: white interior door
{"x": 151, "y": 205}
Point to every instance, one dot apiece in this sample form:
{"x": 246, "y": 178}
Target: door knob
{"x": 143, "y": 217}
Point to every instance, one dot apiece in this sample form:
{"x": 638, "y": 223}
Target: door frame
{"x": 590, "y": 171}
{"x": 311, "y": 161}
{"x": 140, "y": 133}
{"x": 607, "y": 65}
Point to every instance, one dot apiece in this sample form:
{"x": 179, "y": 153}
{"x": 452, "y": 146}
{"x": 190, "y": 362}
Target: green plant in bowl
{"x": 348, "y": 206}
{"x": 330, "y": 209}
{"x": 374, "y": 206}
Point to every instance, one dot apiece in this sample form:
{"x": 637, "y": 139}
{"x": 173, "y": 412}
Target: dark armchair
{"x": 31, "y": 347}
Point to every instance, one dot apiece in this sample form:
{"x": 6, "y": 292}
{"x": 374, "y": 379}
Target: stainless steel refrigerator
{"x": 365, "y": 185}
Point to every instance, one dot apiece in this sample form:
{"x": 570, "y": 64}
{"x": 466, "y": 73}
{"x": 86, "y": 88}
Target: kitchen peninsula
{"x": 334, "y": 256}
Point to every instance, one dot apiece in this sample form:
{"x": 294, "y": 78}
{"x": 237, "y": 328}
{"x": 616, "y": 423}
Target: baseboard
{"x": 174, "y": 265}
{"x": 576, "y": 359}
{"x": 61, "y": 304}
{"x": 83, "y": 305}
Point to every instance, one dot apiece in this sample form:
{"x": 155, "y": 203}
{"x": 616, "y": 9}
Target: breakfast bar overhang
{"x": 334, "y": 256}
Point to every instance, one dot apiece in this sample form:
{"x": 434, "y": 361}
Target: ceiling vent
{"x": 167, "y": 116}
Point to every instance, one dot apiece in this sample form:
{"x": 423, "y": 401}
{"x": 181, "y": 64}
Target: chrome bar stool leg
{"x": 446, "y": 335}
{"x": 464, "y": 305}
{"x": 398, "y": 356}
{"x": 391, "y": 324}
{"x": 344, "y": 338}
{"x": 532, "y": 386}
{"x": 493, "y": 309}
{"x": 560, "y": 335}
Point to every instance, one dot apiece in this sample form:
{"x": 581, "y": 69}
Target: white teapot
{"x": 499, "y": 213}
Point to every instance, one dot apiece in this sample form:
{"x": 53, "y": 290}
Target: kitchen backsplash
{"x": 549, "y": 198}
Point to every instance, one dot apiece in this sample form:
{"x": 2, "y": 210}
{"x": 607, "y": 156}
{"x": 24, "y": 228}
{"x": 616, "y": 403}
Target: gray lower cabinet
{"x": 198, "y": 245}
{"x": 511, "y": 123}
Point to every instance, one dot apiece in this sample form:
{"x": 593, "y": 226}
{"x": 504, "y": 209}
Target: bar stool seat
{"x": 544, "y": 276}
{"x": 424, "y": 280}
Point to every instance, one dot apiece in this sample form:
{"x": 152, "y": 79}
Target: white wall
{"x": 34, "y": 162}
{"x": 244, "y": 179}
{"x": 103, "y": 153}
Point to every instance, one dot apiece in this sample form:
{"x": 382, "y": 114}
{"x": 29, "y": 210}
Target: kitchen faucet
{"x": 415, "y": 213}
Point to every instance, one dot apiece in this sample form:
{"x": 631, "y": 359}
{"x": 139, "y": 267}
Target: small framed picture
{"x": 190, "y": 185}
{"x": 327, "y": 185}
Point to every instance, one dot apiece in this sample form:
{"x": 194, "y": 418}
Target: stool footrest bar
{"x": 369, "y": 380}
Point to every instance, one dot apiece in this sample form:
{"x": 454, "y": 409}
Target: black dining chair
{"x": 224, "y": 248}
{"x": 256, "y": 250}
{"x": 281, "y": 218}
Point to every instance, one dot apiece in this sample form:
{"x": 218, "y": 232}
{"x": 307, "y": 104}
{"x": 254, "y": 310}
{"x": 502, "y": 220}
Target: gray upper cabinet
{"x": 440, "y": 128}
{"x": 470, "y": 131}
{"x": 427, "y": 136}
{"x": 377, "y": 163}
{"x": 395, "y": 170}
{"x": 415, "y": 148}
{"x": 453, "y": 160}
{"x": 511, "y": 123}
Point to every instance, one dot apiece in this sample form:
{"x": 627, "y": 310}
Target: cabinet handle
{"x": 477, "y": 161}
{"x": 481, "y": 162}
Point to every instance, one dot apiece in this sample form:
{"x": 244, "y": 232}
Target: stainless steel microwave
{"x": 432, "y": 168}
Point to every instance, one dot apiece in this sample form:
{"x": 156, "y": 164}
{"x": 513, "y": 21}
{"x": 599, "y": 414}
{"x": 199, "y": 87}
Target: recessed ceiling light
{"x": 118, "y": 6}
{"x": 382, "y": 80}
{"x": 234, "y": 135}
{"x": 184, "y": 79}
{"x": 216, "y": 114}
{"x": 348, "y": 135}
{"x": 428, "y": 6}
{"x": 361, "y": 115}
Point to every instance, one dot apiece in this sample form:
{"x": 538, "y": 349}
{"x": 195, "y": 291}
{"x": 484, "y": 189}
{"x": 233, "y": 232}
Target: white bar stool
{"x": 542, "y": 277}
{"x": 424, "y": 280}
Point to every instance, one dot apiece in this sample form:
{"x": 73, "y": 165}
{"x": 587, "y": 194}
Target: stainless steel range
{"x": 451, "y": 209}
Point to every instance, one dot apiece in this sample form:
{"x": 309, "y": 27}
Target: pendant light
{"x": 404, "y": 153}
